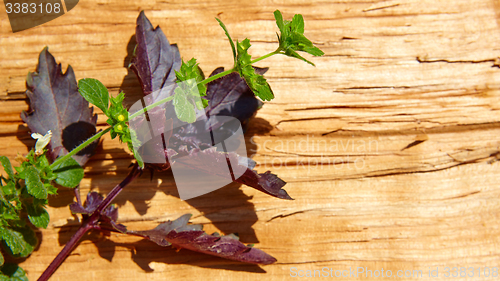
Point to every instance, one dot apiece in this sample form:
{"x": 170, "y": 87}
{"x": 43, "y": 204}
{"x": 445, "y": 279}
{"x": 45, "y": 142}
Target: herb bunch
{"x": 66, "y": 142}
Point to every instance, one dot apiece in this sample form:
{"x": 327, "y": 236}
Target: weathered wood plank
{"x": 389, "y": 146}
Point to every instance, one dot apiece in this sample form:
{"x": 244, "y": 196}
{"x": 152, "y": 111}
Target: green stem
{"x": 130, "y": 117}
{"x": 265, "y": 56}
{"x": 79, "y": 148}
{"x": 212, "y": 78}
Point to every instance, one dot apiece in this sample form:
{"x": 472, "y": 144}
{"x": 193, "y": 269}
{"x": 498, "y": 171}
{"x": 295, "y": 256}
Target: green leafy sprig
{"x": 291, "y": 40}
{"x": 24, "y": 194}
{"x": 189, "y": 92}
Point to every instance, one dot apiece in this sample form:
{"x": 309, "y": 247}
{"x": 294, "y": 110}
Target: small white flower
{"x": 41, "y": 141}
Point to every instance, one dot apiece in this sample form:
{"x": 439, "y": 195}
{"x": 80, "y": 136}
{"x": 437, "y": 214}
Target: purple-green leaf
{"x": 90, "y": 205}
{"x": 192, "y": 237}
{"x": 57, "y": 106}
{"x": 155, "y": 59}
{"x": 231, "y": 96}
{"x": 94, "y": 199}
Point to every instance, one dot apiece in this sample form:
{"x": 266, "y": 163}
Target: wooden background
{"x": 389, "y": 146}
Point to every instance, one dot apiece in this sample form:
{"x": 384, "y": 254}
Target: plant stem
{"x": 216, "y": 76}
{"x": 212, "y": 78}
{"x": 86, "y": 226}
{"x": 265, "y": 56}
{"x": 150, "y": 107}
{"x": 89, "y": 223}
{"x": 79, "y": 148}
{"x": 136, "y": 171}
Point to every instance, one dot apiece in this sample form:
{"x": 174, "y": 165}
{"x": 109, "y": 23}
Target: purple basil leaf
{"x": 90, "y": 205}
{"x": 109, "y": 215}
{"x": 179, "y": 234}
{"x": 230, "y": 96}
{"x": 111, "y": 212}
{"x": 159, "y": 233}
{"x": 155, "y": 59}
{"x": 57, "y": 106}
{"x": 77, "y": 208}
{"x": 154, "y": 63}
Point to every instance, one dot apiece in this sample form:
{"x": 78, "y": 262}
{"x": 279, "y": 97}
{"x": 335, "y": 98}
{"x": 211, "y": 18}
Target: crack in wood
{"x": 495, "y": 61}
{"x": 415, "y": 143}
{"x": 380, "y": 8}
{"x": 290, "y": 214}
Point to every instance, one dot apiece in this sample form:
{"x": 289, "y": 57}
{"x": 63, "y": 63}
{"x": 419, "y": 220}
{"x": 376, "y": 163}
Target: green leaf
{"x": 94, "y": 92}
{"x": 204, "y": 102}
{"x": 69, "y": 173}
{"x": 2, "y": 196}
{"x": 134, "y": 139}
{"x": 279, "y": 21}
{"x": 297, "y": 24}
{"x": 20, "y": 242}
{"x": 191, "y": 70}
{"x": 243, "y": 57}
{"x": 42, "y": 162}
{"x": 256, "y": 82}
{"x": 228, "y": 37}
{"x": 12, "y": 272}
{"x": 38, "y": 216}
{"x": 9, "y": 189}
{"x": 184, "y": 109}
{"x": 20, "y": 172}
{"x": 1, "y": 259}
{"x": 10, "y": 214}
{"x": 292, "y": 37}
{"x": 139, "y": 160}
{"x": 33, "y": 184}
{"x": 117, "y": 102}
{"x": 7, "y": 167}
{"x": 50, "y": 189}
{"x": 293, "y": 54}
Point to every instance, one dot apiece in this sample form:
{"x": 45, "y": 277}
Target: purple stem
{"x": 77, "y": 195}
{"x": 89, "y": 223}
{"x": 136, "y": 171}
{"x": 86, "y": 226}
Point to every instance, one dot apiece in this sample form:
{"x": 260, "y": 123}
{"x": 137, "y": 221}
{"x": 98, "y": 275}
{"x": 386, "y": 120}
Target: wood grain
{"x": 389, "y": 145}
